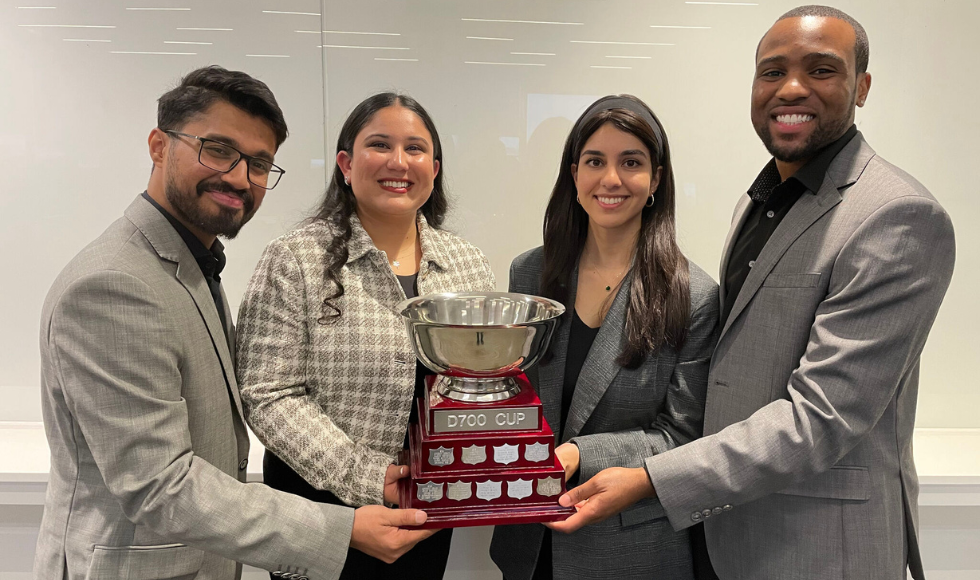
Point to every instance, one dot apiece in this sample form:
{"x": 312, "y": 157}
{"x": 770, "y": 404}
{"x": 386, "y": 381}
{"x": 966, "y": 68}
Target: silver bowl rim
{"x": 404, "y": 304}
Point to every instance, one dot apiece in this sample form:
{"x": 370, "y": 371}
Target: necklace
{"x": 396, "y": 262}
{"x": 620, "y": 277}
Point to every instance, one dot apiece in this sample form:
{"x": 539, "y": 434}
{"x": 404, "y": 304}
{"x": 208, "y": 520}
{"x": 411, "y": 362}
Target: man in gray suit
{"x": 141, "y": 407}
{"x": 832, "y": 276}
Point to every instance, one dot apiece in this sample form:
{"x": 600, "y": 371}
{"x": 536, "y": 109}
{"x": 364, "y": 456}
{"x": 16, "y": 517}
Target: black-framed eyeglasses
{"x": 222, "y": 157}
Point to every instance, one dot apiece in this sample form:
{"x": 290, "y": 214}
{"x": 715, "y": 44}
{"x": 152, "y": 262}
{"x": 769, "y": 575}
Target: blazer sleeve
{"x": 110, "y": 343}
{"x": 273, "y": 347}
{"x": 885, "y": 290}
{"x": 681, "y": 418}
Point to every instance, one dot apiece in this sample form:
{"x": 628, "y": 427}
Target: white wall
{"x": 74, "y": 119}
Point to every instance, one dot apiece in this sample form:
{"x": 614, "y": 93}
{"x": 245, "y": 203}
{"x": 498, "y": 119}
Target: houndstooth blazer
{"x": 333, "y": 399}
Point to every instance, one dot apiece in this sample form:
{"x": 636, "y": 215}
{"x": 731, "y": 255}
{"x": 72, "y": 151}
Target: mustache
{"x": 218, "y": 185}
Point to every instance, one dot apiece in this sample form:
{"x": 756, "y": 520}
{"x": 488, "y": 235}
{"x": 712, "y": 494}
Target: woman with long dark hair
{"x": 625, "y": 376}
{"x": 326, "y": 369}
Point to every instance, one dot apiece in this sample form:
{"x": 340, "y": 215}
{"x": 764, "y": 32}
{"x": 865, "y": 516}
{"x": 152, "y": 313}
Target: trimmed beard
{"x": 186, "y": 205}
{"x": 824, "y": 135}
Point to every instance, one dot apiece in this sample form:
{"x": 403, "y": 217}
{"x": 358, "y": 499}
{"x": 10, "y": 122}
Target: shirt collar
{"x": 211, "y": 261}
{"x": 810, "y": 175}
{"x": 433, "y": 248}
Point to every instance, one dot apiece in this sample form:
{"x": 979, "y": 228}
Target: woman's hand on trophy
{"x": 385, "y": 533}
{"x": 568, "y": 455}
{"x": 609, "y": 492}
{"x": 394, "y": 473}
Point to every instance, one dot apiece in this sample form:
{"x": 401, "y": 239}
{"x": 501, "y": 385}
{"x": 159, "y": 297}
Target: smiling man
{"x": 141, "y": 408}
{"x": 832, "y": 275}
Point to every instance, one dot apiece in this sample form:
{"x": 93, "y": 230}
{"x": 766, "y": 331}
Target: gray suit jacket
{"x": 142, "y": 414}
{"x": 618, "y": 417}
{"x": 808, "y": 471}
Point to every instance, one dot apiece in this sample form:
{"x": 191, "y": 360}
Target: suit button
{"x": 706, "y": 513}
{"x": 277, "y": 574}
{"x": 243, "y": 464}
{"x": 696, "y": 516}
{"x": 726, "y": 507}
{"x": 717, "y": 511}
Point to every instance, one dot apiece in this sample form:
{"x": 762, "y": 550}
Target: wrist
{"x": 641, "y": 483}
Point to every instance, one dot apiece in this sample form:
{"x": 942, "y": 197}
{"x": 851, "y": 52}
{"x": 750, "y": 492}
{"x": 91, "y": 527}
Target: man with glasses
{"x": 141, "y": 408}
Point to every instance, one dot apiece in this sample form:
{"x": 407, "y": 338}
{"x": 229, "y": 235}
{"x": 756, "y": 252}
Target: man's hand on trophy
{"x": 608, "y": 493}
{"x": 378, "y": 531}
{"x": 394, "y": 473}
{"x": 568, "y": 455}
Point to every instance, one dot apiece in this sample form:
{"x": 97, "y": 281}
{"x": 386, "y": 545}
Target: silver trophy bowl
{"x": 478, "y": 341}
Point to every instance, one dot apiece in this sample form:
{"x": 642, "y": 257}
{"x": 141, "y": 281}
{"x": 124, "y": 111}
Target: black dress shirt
{"x": 772, "y": 199}
{"x": 211, "y": 261}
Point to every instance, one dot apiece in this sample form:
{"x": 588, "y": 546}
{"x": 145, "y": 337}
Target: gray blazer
{"x": 808, "y": 472}
{"x": 142, "y": 414}
{"x": 617, "y": 417}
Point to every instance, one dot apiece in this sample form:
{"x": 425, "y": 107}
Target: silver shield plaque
{"x": 459, "y": 491}
{"x": 429, "y": 492}
{"x": 474, "y": 454}
{"x": 536, "y": 452}
{"x": 441, "y": 457}
{"x": 488, "y": 490}
{"x": 519, "y": 489}
{"x": 505, "y": 454}
{"x": 549, "y": 486}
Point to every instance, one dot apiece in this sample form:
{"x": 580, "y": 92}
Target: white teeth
{"x": 793, "y": 119}
{"x": 394, "y": 183}
{"x": 610, "y": 200}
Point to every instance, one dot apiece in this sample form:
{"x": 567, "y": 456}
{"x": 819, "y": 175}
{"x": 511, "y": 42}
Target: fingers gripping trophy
{"x": 482, "y": 452}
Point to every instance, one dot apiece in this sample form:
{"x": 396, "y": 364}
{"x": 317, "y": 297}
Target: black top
{"x": 580, "y": 339}
{"x": 771, "y": 201}
{"x": 211, "y": 261}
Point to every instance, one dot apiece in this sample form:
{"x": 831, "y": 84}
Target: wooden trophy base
{"x": 483, "y": 474}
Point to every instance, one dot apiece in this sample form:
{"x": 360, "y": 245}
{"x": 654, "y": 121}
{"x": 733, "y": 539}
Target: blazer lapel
{"x": 600, "y": 366}
{"x": 168, "y": 244}
{"x": 843, "y": 172}
{"x": 551, "y": 376}
{"x": 741, "y": 212}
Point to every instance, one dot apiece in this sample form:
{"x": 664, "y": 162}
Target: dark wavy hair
{"x": 659, "y": 302}
{"x": 339, "y": 203}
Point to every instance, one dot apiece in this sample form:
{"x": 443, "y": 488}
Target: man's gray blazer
{"x": 148, "y": 447}
{"x": 808, "y": 472}
{"x": 618, "y": 417}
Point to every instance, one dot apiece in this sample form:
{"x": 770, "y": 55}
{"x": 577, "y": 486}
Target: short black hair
{"x": 862, "y": 49}
{"x": 199, "y": 89}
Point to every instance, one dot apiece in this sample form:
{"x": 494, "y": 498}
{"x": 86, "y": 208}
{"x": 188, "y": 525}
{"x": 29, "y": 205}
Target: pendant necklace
{"x": 620, "y": 277}
{"x": 396, "y": 262}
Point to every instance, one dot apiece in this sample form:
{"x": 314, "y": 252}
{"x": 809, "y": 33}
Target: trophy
{"x": 482, "y": 452}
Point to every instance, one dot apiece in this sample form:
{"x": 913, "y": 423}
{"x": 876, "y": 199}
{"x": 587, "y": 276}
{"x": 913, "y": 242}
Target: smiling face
{"x": 614, "y": 178}
{"x": 208, "y": 202}
{"x": 806, "y": 87}
{"x": 392, "y": 166}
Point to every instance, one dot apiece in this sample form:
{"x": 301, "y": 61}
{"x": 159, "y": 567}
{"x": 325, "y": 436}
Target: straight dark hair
{"x": 200, "y": 88}
{"x": 339, "y": 203}
{"x": 659, "y": 301}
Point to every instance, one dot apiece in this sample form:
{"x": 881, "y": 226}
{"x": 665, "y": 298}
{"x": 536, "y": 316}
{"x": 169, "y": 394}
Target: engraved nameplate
{"x": 519, "y": 489}
{"x": 474, "y": 454}
{"x": 429, "y": 491}
{"x": 460, "y": 420}
{"x": 549, "y": 486}
{"x": 459, "y": 491}
{"x": 441, "y": 457}
{"x": 505, "y": 454}
{"x": 488, "y": 490}
{"x": 536, "y": 452}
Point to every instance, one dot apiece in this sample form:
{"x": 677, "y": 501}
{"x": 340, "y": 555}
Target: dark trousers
{"x": 427, "y": 560}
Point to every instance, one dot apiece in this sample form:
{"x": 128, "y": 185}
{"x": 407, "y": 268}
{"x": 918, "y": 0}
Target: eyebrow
{"x": 626, "y": 153}
{"x": 263, "y": 154}
{"x": 810, "y": 57}
{"x": 409, "y": 138}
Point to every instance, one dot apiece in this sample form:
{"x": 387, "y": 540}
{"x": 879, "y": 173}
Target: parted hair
{"x": 659, "y": 301}
{"x": 339, "y": 204}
